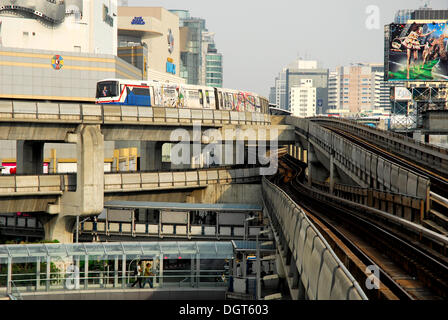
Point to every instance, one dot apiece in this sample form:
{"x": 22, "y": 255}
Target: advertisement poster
{"x": 417, "y": 52}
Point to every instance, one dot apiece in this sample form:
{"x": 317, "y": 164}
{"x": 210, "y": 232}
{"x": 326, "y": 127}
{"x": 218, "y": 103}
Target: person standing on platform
{"x": 148, "y": 274}
{"x": 138, "y": 273}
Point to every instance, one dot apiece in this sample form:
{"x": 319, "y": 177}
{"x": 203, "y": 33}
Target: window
{"x": 201, "y": 97}
{"x": 107, "y": 89}
{"x": 140, "y": 91}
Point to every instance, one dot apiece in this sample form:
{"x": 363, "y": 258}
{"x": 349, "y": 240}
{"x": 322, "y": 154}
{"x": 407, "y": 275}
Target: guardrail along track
{"x": 408, "y": 268}
{"x": 437, "y": 206}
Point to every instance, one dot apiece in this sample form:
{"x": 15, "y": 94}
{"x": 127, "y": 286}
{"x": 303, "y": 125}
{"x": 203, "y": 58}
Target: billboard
{"x": 416, "y": 52}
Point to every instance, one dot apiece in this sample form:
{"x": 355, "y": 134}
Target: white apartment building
{"x": 303, "y": 99}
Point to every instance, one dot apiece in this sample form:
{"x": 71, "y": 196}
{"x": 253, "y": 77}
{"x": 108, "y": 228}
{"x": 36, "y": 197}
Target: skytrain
{"x": 170, "y": 95}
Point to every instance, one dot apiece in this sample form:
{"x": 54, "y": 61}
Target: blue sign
{"x": 138, "y": 20}
{"x": 170, "y": 67}
{"x": 320, "y": 102}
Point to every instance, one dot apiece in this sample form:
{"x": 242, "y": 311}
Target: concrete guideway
{"x": 423, "y": 153}
{"x": 27, "y": 111}
{"x": 56, "y": 195}
{"x": 302, "y": 248}
{"x": 334, "y": 156}
{"x": 56, "y": 185}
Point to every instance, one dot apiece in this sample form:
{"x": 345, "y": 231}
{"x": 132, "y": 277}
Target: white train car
{"x": 171, "y": 95}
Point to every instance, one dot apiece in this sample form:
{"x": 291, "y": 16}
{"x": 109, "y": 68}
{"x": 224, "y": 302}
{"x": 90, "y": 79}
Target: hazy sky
{"x": 258, "y": 37}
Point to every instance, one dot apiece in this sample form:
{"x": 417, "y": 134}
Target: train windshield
{"x": 106, "y": 89}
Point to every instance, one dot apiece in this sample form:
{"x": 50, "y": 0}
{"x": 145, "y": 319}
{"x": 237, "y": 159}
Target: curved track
{"x": 406, "y": 269}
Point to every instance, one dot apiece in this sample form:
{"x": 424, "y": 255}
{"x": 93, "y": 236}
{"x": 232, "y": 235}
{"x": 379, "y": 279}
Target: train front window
{"x": 107, "y": 89}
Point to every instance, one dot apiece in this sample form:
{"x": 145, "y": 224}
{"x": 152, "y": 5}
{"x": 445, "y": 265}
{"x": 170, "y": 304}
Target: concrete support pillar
{"x": 48, "y": 274}
{"x": 86, "y": 271}
{"x": 310, "y": 160}
{"x": 37, "y": 273}
{"x": 198, "y": 270}
{"x": 123, "y": 271}
{"x": 192, "y": 271}
{"x": 88, "y": 199}
{"x": 150, "y": 156}
{"x": 9, "y": 276}
{"x": 30, "y": 157}
{"x": 294, "y": 274}
{"x": 116, "y": 272}
{"x": 332, "y": 173}
{"x": 301, "y": 290}
{"x": 288, "y": 256}
{"x": 161, "y": 270}
{"x": 58, "y": 227}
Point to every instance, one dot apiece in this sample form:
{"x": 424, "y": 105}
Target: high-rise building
{"x": 303, "y": 99}
{"x": 191, "y": 46}
{"x": 334, "y": 87}
{"x": 359, "y": 88}
{"x": 212, "y": 74}
{"x": 304, "y": 69}
{"x": 423, "y": 13}
{"x": 292, "y": 76}
{"x": 280, "y": 91}
{"x": 198, "y": 51}
{"x": 272, "y": 96}
{"x": 403, "y": 15}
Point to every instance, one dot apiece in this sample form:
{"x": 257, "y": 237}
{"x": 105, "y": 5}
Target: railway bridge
{"x": 374, "y": 199}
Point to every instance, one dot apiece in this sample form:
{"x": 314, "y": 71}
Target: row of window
{"x": 213, "y": 58}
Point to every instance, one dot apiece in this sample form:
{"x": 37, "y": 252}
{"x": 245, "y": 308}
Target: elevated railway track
{"x": 436, "y": 217}
{"x": 411, "y": 260}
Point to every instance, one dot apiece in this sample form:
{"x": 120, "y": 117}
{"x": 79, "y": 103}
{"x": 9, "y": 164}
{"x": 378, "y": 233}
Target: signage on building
{"x": 106, "y": 17}
{"x": 170, "y": 41}
{"x": 57, "y": 62}
{"x": 170, "y": 66}
{"x": 320, "y": 102}
{"x": 138, "y": 20}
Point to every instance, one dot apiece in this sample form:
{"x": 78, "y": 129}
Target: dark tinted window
{"x": 107, "y": 89}
{"x": 140, "y": 91}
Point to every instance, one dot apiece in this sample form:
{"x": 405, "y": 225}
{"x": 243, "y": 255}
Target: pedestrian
{"x": 138, "y": 273}
{"x": 148, "y": 274}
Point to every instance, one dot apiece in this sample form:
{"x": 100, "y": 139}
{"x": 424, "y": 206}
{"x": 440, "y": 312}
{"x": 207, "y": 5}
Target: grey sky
{"x": 259, "y": 38}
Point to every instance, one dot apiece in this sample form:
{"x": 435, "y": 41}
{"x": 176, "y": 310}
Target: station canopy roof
{"x": 181, "y": 206}
{"x": 170, "y": 249}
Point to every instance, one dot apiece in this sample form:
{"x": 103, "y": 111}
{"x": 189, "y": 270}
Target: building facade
{"x": 304, "y": 69}
{"x": 58, "y": 51}
{"x": 212, "y": 68}
{"x": 280, "y": 91}
{"x": 80, "y": 26}
{"x": 359, "y": 88}
{"x": 191, "y": 46}
{"x": 303, "y": 99}
{"x": 149, "y": 39}
{"x": 200, "y": 61}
